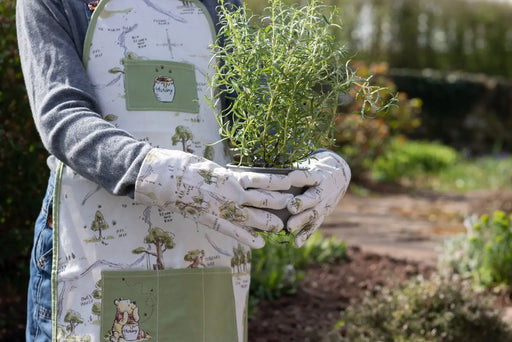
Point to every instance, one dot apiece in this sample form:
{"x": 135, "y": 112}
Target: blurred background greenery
{"x": 450, "y": 61}
{"x": 23, "y": 175}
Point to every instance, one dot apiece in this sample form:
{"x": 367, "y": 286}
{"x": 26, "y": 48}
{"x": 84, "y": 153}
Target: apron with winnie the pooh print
{"x": 129, "y": 272}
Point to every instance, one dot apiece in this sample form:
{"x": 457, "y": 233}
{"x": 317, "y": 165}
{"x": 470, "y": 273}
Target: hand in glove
{"x": 213, "y": 195}
{"x": 310, "y": 209}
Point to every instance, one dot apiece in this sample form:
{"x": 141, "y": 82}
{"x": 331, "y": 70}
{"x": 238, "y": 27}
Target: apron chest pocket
{"x": 160, "y": 86}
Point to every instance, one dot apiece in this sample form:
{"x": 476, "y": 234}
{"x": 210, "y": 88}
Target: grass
{"x": 489, "y": 173}
{"x": 278, "y": 268}
{"x": 427, "y": 165}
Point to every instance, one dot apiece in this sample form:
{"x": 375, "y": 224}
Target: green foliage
{"x": 466, "y": 111}
{"x": 439, "y": 51}
{"x": 437, "y": 34}
{"x": 484, "y": 253}
{"x": 438, "y": 167}
{"x": 284, "y": 72}
{"x": 436, "y": 310}
{"x": 278, "y": 268}
{"x": 23, "y": 177}
{"x": 471, "y": 174}
{"x": 158, "y": 236}
{"x": 406, "y": 159}
{"x": 361, "y": 141}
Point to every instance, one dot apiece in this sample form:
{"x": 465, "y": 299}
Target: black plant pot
{"x": 283, "y": 214}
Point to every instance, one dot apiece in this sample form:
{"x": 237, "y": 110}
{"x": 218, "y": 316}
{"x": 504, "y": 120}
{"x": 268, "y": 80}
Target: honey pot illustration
{"x": 164, "y": 89}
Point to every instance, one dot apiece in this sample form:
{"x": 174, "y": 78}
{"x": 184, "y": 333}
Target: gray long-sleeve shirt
{"x": 51, "y": 34}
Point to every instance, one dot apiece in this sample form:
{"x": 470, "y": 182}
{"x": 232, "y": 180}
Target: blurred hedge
{"x": 469, "y": 35}
{"x": 23, "y": 177}
{"x": 464, "y": 109}
{"x": 471, "y": 112}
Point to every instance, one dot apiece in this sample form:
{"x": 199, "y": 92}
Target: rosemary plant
{"x": 283, "y": 73}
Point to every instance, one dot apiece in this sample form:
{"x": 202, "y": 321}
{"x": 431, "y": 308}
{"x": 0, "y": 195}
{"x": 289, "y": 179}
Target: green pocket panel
{"x": 160, "y": 86}
{"x": 169, "y": 305}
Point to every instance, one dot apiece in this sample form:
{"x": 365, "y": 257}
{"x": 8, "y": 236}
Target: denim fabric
{"x": 39, "y": 303}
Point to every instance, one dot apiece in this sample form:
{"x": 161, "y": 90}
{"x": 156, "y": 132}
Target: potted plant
{"x": 284, "y": 75}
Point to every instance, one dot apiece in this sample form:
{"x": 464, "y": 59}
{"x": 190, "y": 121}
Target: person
{"x": 143, "y": 233}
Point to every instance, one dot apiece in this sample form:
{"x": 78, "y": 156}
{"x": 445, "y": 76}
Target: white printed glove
{"x": 310, "y": 208}
{"x": 213, "y": 195}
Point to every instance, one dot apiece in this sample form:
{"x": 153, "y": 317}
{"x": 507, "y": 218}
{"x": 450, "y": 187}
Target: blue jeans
{"x": 39, "y": 301}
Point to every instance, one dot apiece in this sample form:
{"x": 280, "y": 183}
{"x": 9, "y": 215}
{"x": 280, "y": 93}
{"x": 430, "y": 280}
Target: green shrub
{"x": 23, "y": 177}
{"x": 407, "y": 159}
{"x": 437, "y": 310}
{"x": 278, "y": 268}
{"x": 484, "y": 253}
{"x": 360, "y": 141}
{"x": 23, "y": 171}
{"x": 473, "y": 174}
{"x": 463, "y": 110}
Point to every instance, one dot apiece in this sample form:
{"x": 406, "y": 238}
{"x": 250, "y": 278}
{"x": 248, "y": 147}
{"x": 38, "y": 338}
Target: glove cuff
{"x": 160, "y": 171}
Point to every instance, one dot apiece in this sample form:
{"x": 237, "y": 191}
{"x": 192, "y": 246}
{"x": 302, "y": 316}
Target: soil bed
{"x": 400, "y": 233}
{"x": 325, "y": 293}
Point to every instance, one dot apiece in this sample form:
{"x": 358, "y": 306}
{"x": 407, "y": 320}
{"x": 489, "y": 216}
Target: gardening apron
{"x": 129, "y": 272}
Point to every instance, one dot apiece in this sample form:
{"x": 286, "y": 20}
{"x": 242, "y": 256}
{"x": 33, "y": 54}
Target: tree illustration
{"x": 195, "y": 257}
{"x": 233, "y": 262}
{"x": 61, "y": 333}
{"x": 162, "y": 240}
{"x": 232, "y": 212}
{"x": 96, "y": 309}
{"x": 99, "y": 224}
{"x": 97, "y": 294}
{"x": 183, "y": 135}
{"x": 197, "y": 206}
{"x": 240, "y": 259}
{"x": 243, "y": 261}
{"x": 208, "y": 176}
{"x": 73, "y": 318}
{"x": 208, "y": 152}
{"x": 248, "y": 258}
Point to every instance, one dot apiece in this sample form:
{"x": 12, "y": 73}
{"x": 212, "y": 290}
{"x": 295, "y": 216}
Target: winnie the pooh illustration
{"x": 126, "y": 323}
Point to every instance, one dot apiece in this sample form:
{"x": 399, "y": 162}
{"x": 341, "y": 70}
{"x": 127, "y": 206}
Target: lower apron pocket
{"x": 168, "y": 305}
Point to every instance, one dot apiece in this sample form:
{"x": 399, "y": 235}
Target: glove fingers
{"x": 307, "y": 200}
{"x": 244, "y": 235}
{"x": 265, "y": 181}
{"x": 267, "y": 199}
{"x": 306, "y": 232}
{"x": 299, "y": 221}
{"x": 312, "y": 198}
{"x": 302, "y": 178}
{"x": 263, "y": 220}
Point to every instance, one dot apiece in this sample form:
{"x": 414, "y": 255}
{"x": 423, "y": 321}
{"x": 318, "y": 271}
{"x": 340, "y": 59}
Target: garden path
{"x": 410, "y": 225}
{"x": 392, "y": 234}
{"x": 401, "y": 225}
{"x": 405, "y": 223}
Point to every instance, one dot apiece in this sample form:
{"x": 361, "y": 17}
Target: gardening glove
{"x": 310, "y": 208}
{"x": 212, "y": 195}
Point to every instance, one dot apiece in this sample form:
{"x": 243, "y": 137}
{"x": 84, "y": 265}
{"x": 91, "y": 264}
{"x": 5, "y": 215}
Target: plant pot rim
{"x": 263, "y": 169}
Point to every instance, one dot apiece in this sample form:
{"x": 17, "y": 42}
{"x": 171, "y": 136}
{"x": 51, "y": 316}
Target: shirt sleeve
{"x": 50, "y": 39}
